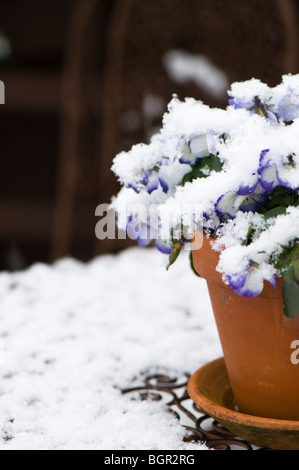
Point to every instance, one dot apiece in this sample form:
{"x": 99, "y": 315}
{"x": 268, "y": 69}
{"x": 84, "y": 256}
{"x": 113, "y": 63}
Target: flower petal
{"x": 165, "y": 246}
{"x": 253, "y": 285}
{"x": 152, "y": 183}
{"x": 246, "y": 190}
{"x": 163, "y": 185}
{"x": 194, "y": 149}
{"x": 199, "y": 146}
{"x": 268, "y": 177}
{"x": 286, "y": 176}
{"x": 225, "y": 204}
{"x": 288, "y": 108}
{"x": 138, "y": 231}
{"x": 264, "y": 157}
{"x": 238, "y": 280}
{"x": 252, "y": 203}
{"x": 143, "y": 241}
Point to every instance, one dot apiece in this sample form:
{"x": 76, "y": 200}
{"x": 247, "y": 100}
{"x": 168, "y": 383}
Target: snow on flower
{"x": 246, "y": 267}
{"x": 254, "y": 96}
{"x": 245, "y": 199}
{"x": 196, "y": 147}
{"x": 280, "y": 171}
{"x": 286, "y": 96}
{"x": 233, "y": 172}
{"x": 250, "y": 281}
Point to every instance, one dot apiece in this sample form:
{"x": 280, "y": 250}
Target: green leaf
{"x": 211, "y": 162}
{"x": 192, "y": 265}
{"x": 176, "y": 250}
{"x": 283, "y": 197}
{"x": 275, "y": 212}
{"x": 187, "y": 178}
{"x": 291, "y": 299}
{"x": 215, "y": 163}
{"x": 280, "y": 197}
{"x": 197, "y": 170}
{"x": 286, "y": 269}
{"x": 295, "y": 262}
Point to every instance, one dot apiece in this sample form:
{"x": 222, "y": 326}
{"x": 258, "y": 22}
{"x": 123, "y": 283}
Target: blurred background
{"x": 85, "y": 79}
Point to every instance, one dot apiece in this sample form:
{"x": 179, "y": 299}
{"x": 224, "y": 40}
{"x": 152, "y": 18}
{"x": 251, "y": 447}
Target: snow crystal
{"x": 75, "y": 334}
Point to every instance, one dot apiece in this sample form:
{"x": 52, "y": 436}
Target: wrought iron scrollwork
{"x": 199, "y": 426}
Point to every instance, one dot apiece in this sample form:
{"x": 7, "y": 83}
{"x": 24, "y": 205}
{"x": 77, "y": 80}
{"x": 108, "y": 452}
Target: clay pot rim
{"x": 221, "y": 413}
{"x": 216, "y": 277}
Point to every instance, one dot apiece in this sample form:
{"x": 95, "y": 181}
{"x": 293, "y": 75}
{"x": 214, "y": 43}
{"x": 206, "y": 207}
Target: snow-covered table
{"x": 73, "y": 335}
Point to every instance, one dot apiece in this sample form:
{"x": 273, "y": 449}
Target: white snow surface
{"x": 73, "y": 335}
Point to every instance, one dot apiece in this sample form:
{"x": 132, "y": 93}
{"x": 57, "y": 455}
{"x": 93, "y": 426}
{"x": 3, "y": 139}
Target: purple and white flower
{"x": 288, "y": 108}
{"x": 139, "y": 231}
{"x": 164, "y": 246}
{"x": 279, "y": 171}
{"x": 209, "y": 220}
{"x": 196, "y": 147}
{"x": 254, "y": 96}
{"x": 250, "y": 281}
{"x": 287, "y": 97}
{"x": 150, "y": 181}
{"x": 260, "y": 122}
{"x": 246, "y": 199}
{"x": 287, "y": 171}
{"x": 154, "y": 181}
{"x": 267, "y": 172}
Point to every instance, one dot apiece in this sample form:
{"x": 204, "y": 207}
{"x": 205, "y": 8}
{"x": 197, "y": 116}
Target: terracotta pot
{"x": 256, "y": 339}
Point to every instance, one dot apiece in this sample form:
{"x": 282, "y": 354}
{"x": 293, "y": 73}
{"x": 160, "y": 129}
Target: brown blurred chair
{"x": 124, "y": 81}
{"x": 72, "y": 114}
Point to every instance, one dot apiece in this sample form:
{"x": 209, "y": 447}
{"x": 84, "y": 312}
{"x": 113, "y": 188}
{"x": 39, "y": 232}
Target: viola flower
{"x": 198, "y": 151}
{"x": 154, "y": 181}
{"x": 164, "y": 246}
{"x": 246, "y": 199}
{"x": 287, "y": 96}
{"x": 255, "y": 106}
{"x": 139, "y": 231}
{"x": 267, "y": 172}
{"x": 288, "y": 108}
{"x": 250, "y": 281}
{"x": 196, "y": 147}
{"x": 209, "y": 221}
{"x": 150, "y": 182}
{"x": 283, "y": 171}
{"x": 254, "y": 96}
{"x": 287, "y": 172}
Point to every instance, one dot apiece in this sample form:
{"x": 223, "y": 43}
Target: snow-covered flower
{"x": 246, "y": 199}
{"x": 280, "y": 171}
{"x": 153, "y": 181}
{"x": 254, "y": 96}
{"x": 138, "y": 230}
{"x": 164, "y": 246}
{"x": 287, "y": 98}
{"x": 209, "y": 220}
{"x": 196, "y": 147}
{"x": 267, "y": 172}
{"x": 250, "y": 281}
{"x": 239, "y": 167}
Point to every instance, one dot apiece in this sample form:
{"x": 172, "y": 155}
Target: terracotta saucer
{"x": 210, "y": 389}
